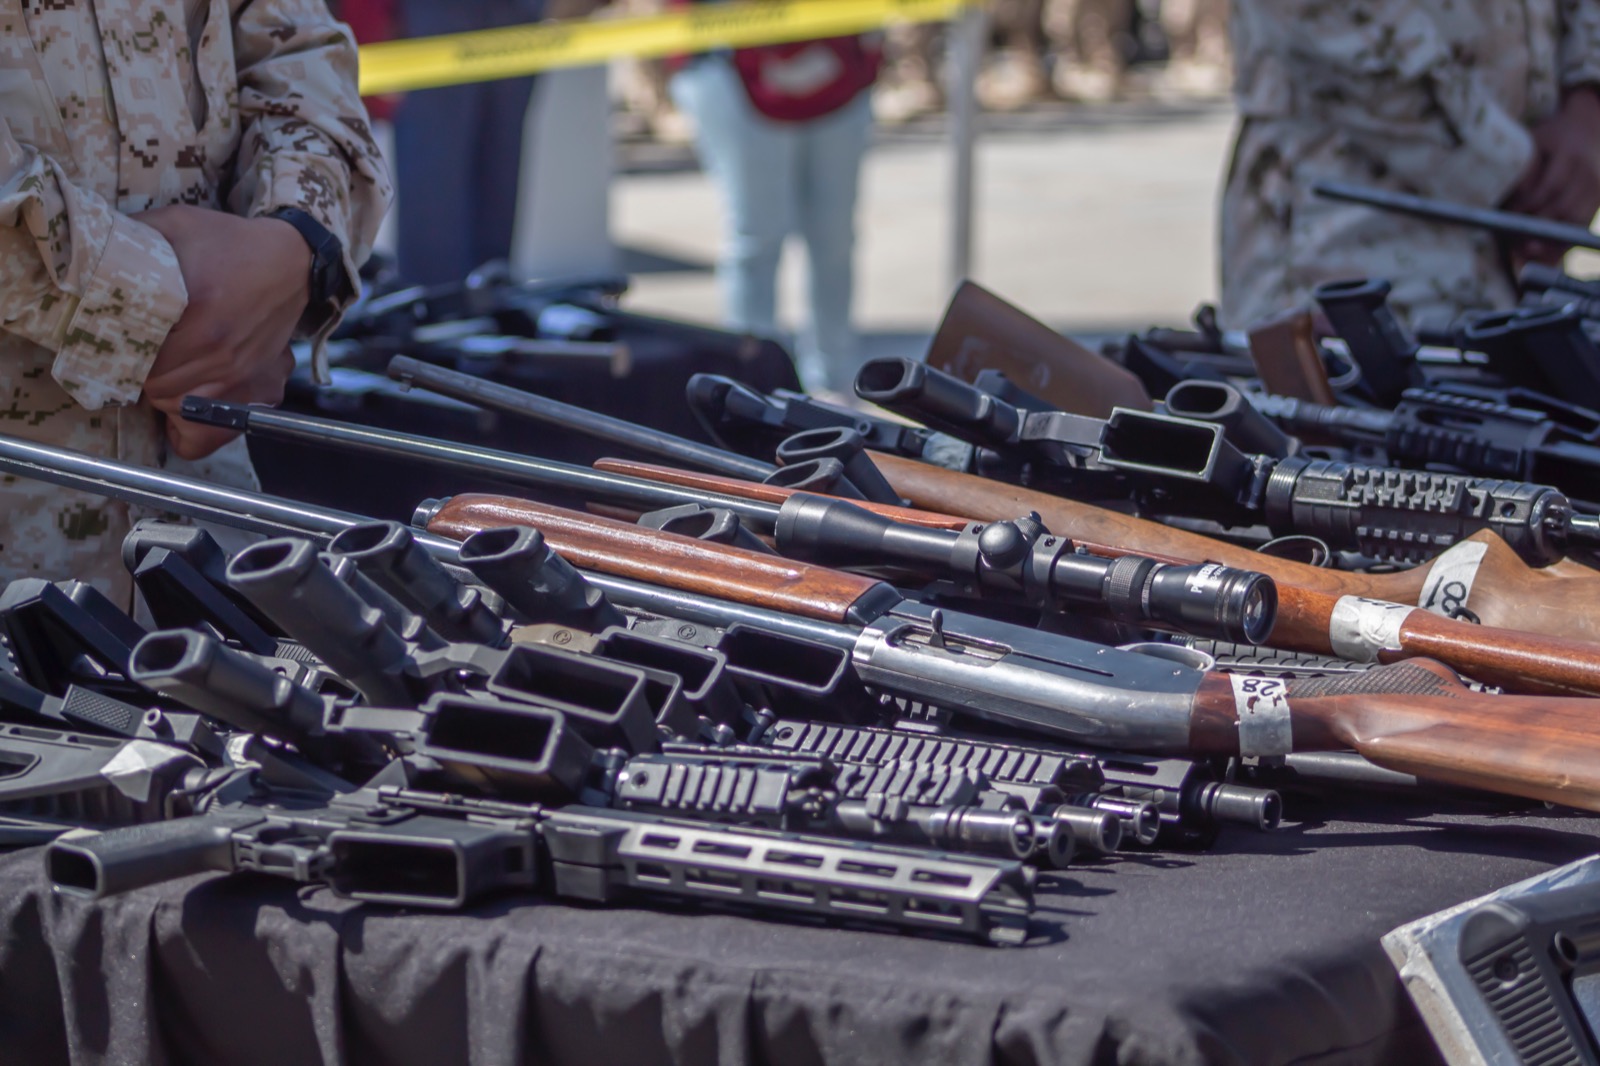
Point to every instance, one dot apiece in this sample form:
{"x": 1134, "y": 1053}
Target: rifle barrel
{"x": 507, "y": 467}
{"x": 521, "y": 404}
{"x": 1508, "y": 223}
{"x": 255, "y": 512}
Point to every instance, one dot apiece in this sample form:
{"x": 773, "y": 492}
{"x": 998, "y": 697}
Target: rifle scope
{"x": 1022, "y": 557}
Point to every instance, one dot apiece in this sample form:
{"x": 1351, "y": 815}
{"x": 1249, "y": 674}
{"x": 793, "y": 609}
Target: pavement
{"x": 1096, "y": 219}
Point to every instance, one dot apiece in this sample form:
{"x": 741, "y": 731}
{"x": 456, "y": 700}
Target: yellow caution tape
{"x": 489, "y": 55}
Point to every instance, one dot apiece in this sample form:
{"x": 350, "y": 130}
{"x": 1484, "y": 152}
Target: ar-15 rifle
{"x": 1431, "y": 427}
{"x": 1192, "y": 800}
{"x": 1415, "y": 717}
{"x": 460, "y": 849}
{"x": 1542, "y": 347}
{"x": 1308, "y": 619}
{"x": 1181, "y": 466}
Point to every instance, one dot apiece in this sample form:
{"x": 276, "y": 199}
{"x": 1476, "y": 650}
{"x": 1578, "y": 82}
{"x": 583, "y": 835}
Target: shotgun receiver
{"x": 1415, "y": 717}
{"x": 1351, "y": 625}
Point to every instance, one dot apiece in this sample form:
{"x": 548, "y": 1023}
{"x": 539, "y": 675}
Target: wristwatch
{"x": 331, "y": 286}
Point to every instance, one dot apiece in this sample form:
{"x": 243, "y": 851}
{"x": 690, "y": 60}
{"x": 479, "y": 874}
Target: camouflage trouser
{"x": 1279, "y": 241}
{"x": 1196, "y": 30}
{"x": 1089, "y": 32}
{"x": 1018, "y": 24}
{"x": 912, "y": 53}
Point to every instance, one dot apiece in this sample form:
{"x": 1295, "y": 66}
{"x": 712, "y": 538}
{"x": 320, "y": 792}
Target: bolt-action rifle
{"x": 1309, "y": 619}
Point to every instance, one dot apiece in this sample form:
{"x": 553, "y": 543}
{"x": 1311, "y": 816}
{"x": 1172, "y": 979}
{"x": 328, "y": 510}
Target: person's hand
{"x": 1562, "y": 181}
{"x": 248, "y": 282}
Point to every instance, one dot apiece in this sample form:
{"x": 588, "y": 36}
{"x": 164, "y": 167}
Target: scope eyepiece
{"x": 1209, "y": 600}
{"x": 1237, "y": 605}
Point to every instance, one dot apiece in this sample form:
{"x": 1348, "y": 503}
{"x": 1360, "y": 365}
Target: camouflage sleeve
{"x": 1580, "y": 43}
{"x": 306, "y": 139}
{"x": 95, "y": 287}
{"x": 1382, "y": 71}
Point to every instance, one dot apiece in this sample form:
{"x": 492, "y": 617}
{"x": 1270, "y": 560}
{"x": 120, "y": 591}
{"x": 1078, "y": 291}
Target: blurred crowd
{"x": 1040, "y": 51}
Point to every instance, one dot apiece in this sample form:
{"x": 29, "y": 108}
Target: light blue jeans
{"x": 777, "y": 179}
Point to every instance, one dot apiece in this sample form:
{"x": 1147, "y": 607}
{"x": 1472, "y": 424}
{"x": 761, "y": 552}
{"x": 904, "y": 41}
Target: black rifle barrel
{"x": 1508, "y": 223}
{"x": 522, "y": 404}
{"x": 507, "y": 467}
{"x": 256, "y": 512}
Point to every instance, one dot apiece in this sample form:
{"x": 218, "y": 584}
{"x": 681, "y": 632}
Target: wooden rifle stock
{"x": 1284, "y": 351}
{"x": 981, "y": 331}
{"x": 666, "y": 559}
{"x": 1557, "y": 601}
{"x": 1419, "y": 719}
{"x": 1414, "y": 717}
{"x": 1511, "y": 658}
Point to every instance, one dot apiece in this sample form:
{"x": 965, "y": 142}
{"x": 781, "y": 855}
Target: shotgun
{"x": 1414, "y": 717}
{"x": 1309, "y": 619}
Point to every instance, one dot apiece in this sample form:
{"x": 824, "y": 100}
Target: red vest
{"x": 806, "y": 79}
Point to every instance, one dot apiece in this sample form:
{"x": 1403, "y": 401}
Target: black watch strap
{"x": 330, "y": 283}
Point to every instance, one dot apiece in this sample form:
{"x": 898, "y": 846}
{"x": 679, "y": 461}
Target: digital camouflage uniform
{"x": 1430, "y": 98}
{"x": 112, "y": 107}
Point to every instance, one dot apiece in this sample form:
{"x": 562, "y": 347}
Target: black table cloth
{"x": 1263, "y": 950}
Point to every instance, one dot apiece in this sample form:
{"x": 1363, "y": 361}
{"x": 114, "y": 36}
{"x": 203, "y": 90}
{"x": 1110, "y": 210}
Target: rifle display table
{"x": 1264, "y": 950}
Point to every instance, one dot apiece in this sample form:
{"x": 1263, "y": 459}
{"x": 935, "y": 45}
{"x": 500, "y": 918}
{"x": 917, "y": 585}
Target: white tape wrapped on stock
{"x": 1449, "y": 583}
{"x": 1263, "y": 708}
{"x": 1361, "y": 629}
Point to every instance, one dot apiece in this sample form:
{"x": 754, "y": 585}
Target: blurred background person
{"x": 782, "y": 131}
{"x": 1017, "y": 72}
{"x": 640, "y": 87}
{"x": 1091, "y": 41}
{"x": 1198, "y": 58}
{"x": 912, "y": 80}
{"x": 458, "y": 149}
{"x": 1487, "y": 103}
